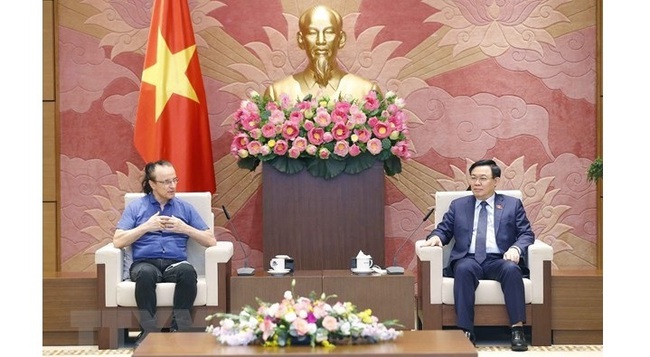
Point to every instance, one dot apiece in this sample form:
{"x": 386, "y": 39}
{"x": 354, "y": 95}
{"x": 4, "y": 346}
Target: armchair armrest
{"x": 220, "y": 253}
{"x": 434, "y": 256}
{"x": 111, "y": 257}
{"x": 537, "y": 254}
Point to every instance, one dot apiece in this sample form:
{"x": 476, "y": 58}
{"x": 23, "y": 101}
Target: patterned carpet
{"x": 487, "y": 351}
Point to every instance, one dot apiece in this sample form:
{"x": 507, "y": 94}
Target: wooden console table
{"x": 449, "y": 343}
{"x": 390, "y": 297}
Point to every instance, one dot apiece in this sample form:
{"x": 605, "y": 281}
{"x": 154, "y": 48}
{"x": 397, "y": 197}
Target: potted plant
{"x": 595, "y": 171}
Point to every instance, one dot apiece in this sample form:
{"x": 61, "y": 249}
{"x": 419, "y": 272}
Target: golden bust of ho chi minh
{"x": 321, "y": 35}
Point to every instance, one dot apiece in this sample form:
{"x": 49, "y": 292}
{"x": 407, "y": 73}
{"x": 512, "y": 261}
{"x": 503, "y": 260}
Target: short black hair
{"x": 496, "y": 170}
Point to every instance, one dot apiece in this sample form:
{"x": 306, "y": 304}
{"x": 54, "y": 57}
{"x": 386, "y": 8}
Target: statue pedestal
{"x": 320, "y": 223}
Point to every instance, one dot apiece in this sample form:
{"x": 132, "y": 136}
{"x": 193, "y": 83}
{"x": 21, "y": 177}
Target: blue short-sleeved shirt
{"x": 160, "y": 244}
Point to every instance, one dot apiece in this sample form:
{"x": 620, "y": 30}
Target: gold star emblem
{"x": 168, "y": 74}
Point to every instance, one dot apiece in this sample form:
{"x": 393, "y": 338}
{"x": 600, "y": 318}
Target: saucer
{"x": 360, "y": 271}
{"x": 278, "y": 272}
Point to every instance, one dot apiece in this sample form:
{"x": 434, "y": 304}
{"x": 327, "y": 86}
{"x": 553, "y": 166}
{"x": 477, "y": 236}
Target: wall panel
{"x": 50, "y": 263}
{"x": 48, "y": 50}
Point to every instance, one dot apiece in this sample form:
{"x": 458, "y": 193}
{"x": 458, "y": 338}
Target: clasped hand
{"x": 158, "y": 222}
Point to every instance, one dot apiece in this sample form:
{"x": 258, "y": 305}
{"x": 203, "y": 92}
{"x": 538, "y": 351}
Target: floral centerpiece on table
{"x": 324, "y": 135}
{"x": 301, "y": 320}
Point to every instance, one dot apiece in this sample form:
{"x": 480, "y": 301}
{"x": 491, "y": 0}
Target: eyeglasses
{"x": 168, "y": 182}
{"x": 481, "y": 179}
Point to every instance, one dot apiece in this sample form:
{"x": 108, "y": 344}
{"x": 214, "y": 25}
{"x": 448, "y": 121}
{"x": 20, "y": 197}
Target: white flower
{"x": 288, "y": 295}
{"x": 290, "y": 317}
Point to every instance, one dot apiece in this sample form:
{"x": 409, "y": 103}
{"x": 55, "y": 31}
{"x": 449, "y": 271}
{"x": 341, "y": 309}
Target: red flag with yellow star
{"x": 172, "y": 117}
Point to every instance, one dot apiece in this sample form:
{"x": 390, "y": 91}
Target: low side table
{"x": 391, "y": 297}
{"x": 270, "y": 288}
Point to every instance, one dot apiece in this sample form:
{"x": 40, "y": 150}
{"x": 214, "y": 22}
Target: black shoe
{"x": 518, "y": 342}
{"x": 471, "y": 337}
{"x": 139, "y": 339}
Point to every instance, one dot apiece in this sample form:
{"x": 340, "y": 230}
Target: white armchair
{"x": 436, "y": 293}
{"x": 116, "y": 292}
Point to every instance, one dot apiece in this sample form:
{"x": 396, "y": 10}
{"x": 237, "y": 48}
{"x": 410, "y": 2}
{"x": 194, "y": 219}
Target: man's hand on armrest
{"x": 433, "y": 241}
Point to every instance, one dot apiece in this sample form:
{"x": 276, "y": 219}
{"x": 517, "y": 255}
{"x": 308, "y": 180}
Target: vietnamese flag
{"x": 172, "y": 116}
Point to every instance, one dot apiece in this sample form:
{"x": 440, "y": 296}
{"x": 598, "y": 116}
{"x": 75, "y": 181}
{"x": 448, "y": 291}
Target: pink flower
{"x": 354, "y": 150}
{"x": 315, "y": 136}
{"x": 311, "y": 149}
{"x": 323, "y": 153}
{"x": 294, "y": 152}
{"x": 341, "y": 148}
{"x": 340, "y": 131}
{"x": 330, "y": 323}
{"x": 285, "y": 101}
{"x": 300, "y": 143}
{"x": 301, "y": 326}
{"x": 323, "y": 118}
{"x": 296, "y": 117}
{"x": 255, "y": 133}
{"x": 371, "y": 103}
{"x": 401, "y": 150}
{"x": 304, "y": 105}
{"x": 374, "y": 146}
{"x": 373, "y": 121}
{"x": 289, "y": 131}
{"x": 308, "y": 125}
{"x": 268, "y": 130}
{"x": 276, "y": 117}
{"x": 339, "y": 116}
{"x": 271, "y": 106}
{"x": 363, "y": 134}
{"x": 254, "y": 147}
{"x": 280, "y": 147}
{"x": 327, "y": 137}
{"x": 358, "y": 118}
{"x": 342, "y": 106}
{"x": 240, "y": 141}
{"x": 381, "y": 130}
{"x": 267, "y": 327}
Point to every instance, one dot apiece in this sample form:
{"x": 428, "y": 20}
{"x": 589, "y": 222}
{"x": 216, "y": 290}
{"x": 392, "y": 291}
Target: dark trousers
{"x": 467, "y": 272}
{"x": 146, "y": 273}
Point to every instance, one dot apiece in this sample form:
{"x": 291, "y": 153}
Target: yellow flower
{"x": 354, "y": 138}
{"x": 271, "y": 143}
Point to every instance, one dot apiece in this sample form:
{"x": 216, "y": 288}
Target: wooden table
{"x": 440, "y": 343}
{"x": 390, "y": 297}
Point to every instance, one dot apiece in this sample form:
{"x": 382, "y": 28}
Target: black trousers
{"x": 467, "y": 272}
{"x": 147, "y": 273}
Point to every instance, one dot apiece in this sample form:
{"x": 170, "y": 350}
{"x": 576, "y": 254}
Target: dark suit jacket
{"x": 511, "y": 225}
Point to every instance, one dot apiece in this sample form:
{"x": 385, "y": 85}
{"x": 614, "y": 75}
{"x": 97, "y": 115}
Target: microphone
{"x": 398, "y": 270}
{"x": 245, "y": 270}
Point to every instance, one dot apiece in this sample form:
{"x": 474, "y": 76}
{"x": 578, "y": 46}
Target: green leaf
{"x": 393, "y": 165}
{"x": 249, "y": 163}
{"x": 287, "y": 165}
{"x": 327, "y": 169}
{"x": 359, "y": 163}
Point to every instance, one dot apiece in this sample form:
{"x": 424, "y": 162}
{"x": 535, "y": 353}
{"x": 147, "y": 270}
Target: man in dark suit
{"x": 489, "y": 245}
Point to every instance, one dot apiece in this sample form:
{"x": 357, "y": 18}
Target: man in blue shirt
{"x": 157, "y": 227}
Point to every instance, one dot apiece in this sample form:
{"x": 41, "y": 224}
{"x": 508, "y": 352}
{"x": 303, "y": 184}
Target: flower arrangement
{"x": 324, "y": 135}
{"x": 301, "y": 320}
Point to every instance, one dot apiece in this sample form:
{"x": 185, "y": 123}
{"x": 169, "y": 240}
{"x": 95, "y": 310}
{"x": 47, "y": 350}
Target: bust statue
{"x": 321, "y": 35}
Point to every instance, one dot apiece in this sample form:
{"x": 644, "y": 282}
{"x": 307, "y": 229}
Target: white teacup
{"x": 364, "y": 263}
{"x": 277, "y": 264}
